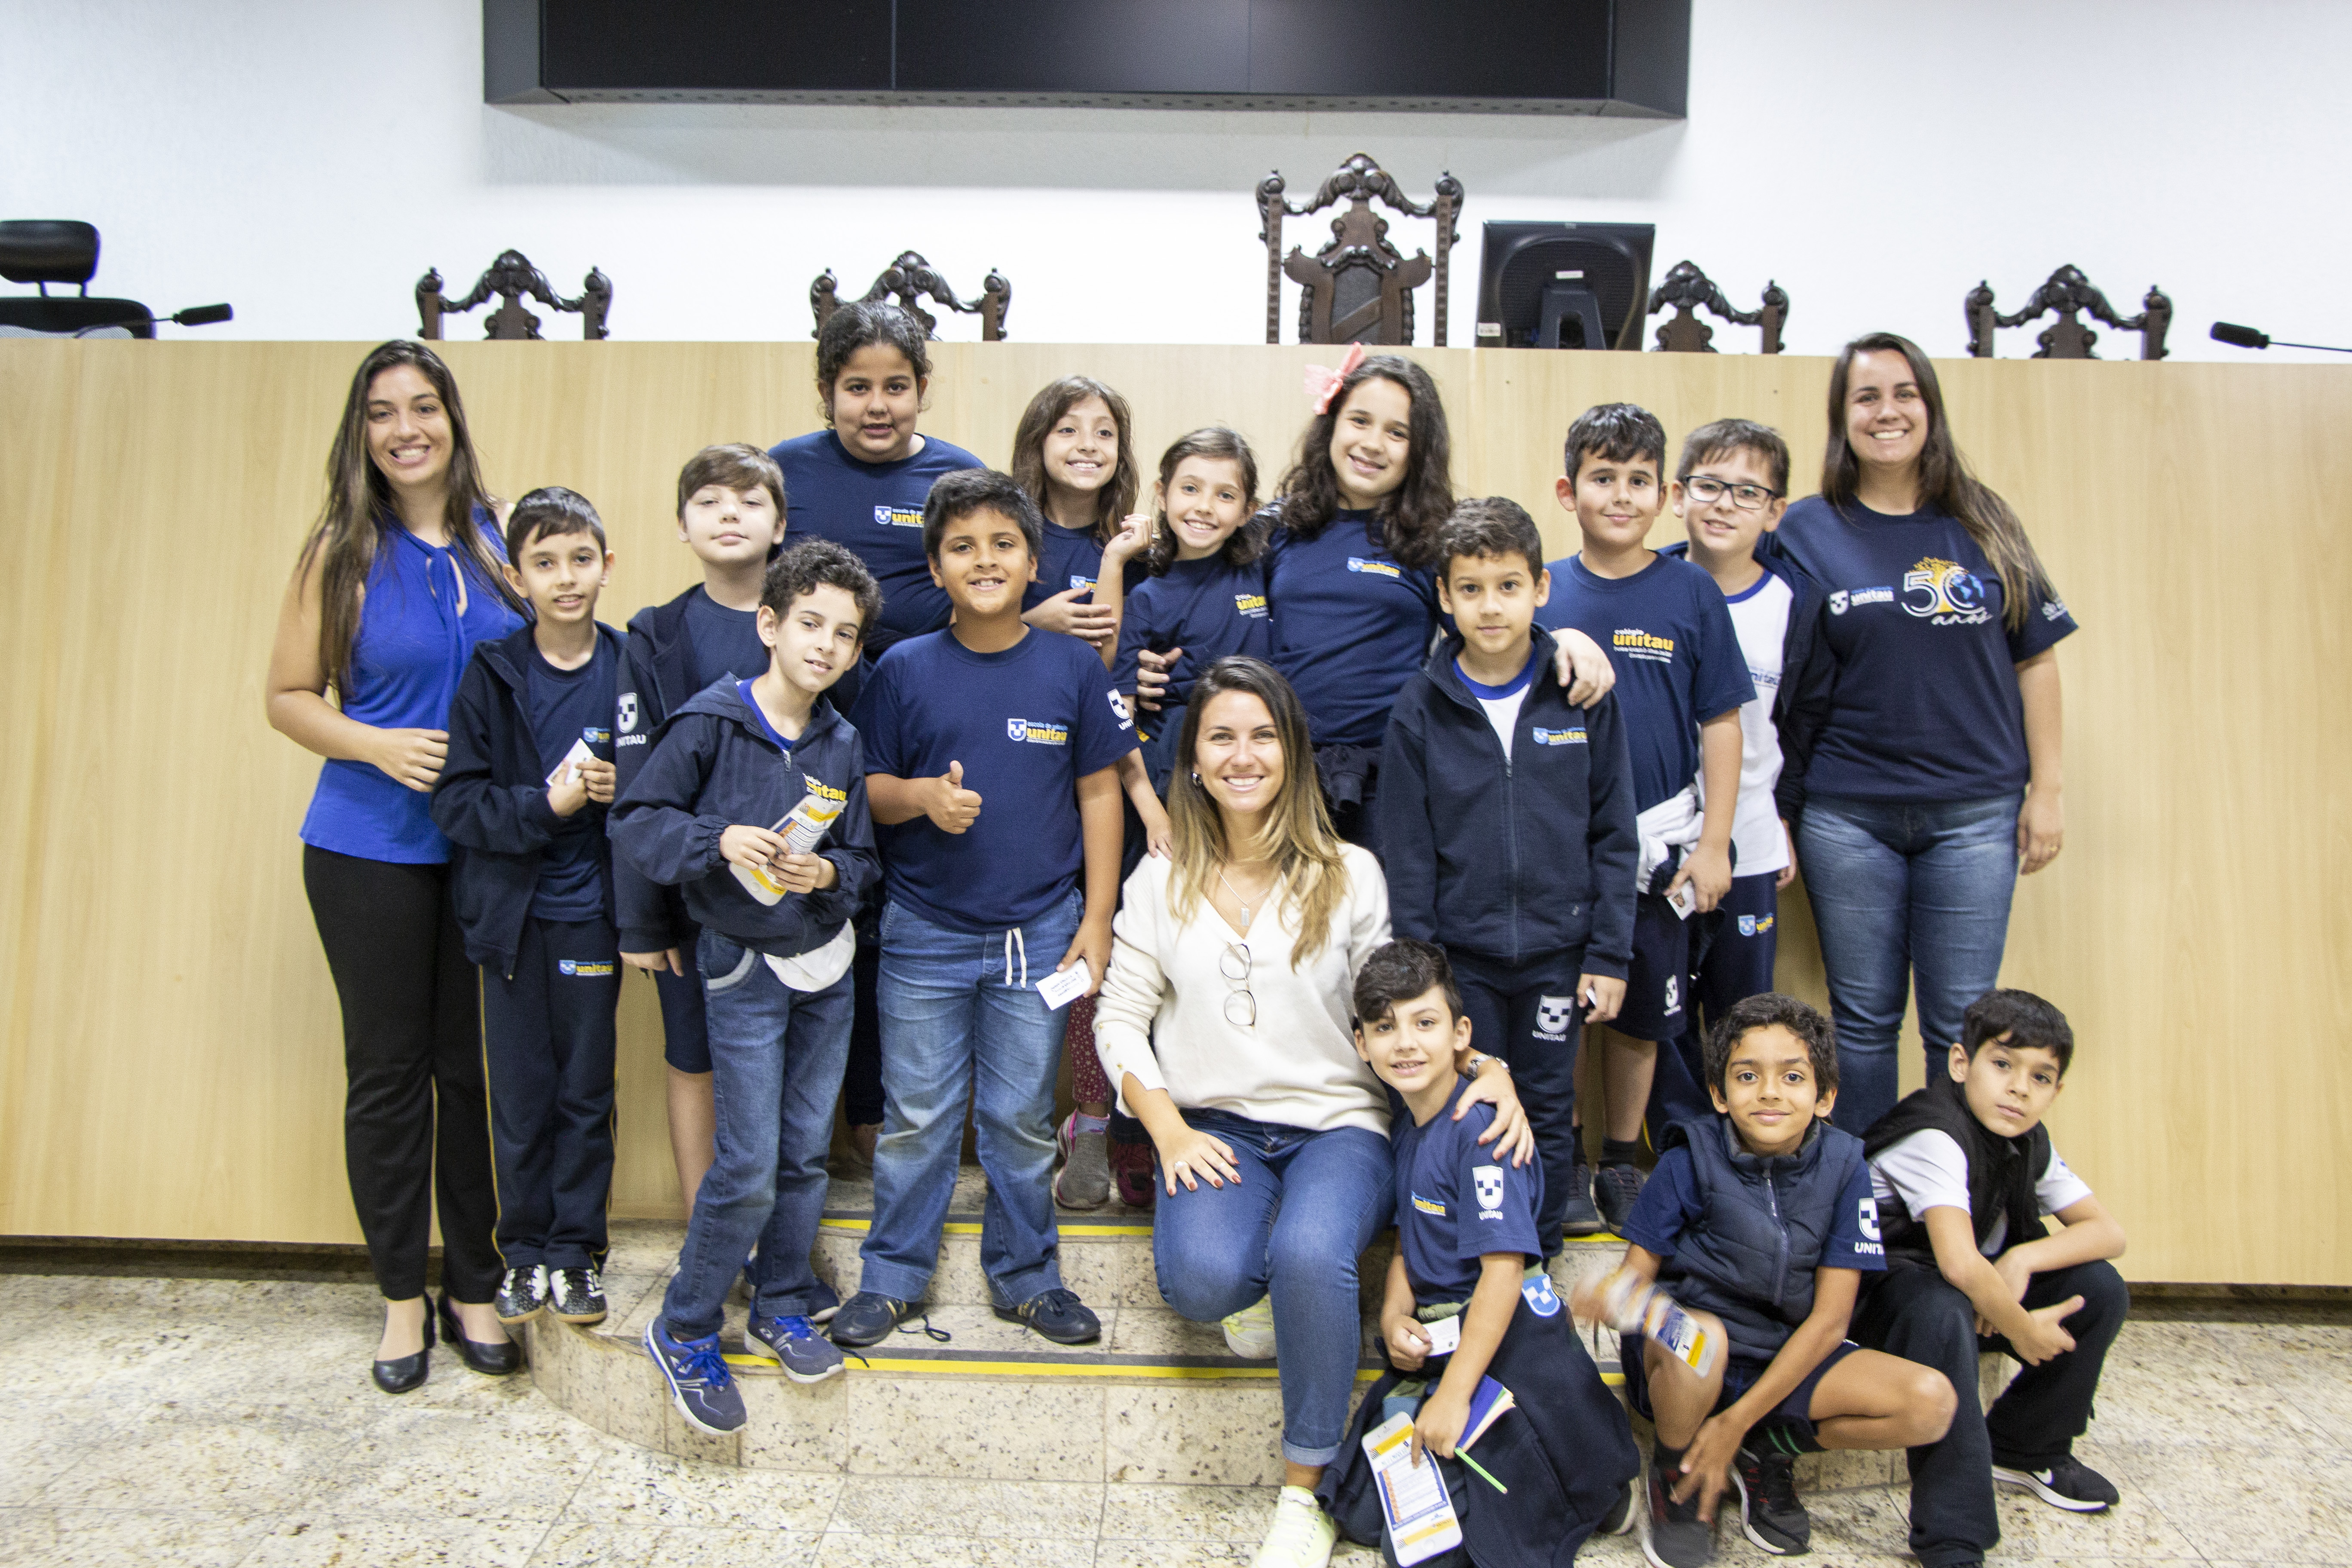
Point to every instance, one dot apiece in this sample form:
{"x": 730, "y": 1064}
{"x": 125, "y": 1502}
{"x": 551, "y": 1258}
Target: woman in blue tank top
{"x": 398, "y": 581}
{"x": 1926, "y": 757}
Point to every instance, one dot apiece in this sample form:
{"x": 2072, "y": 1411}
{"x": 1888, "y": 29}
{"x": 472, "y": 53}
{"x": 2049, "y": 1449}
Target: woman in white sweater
{"x": 1225, "y": 1025}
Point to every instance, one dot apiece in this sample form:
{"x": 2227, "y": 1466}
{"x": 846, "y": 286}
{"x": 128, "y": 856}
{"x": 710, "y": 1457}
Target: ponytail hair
{"x": 1411, "y": 514}
{"x": 1946, "y": 481}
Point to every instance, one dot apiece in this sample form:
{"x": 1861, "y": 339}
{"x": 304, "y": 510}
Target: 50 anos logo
{"x": 1945, "y": 592}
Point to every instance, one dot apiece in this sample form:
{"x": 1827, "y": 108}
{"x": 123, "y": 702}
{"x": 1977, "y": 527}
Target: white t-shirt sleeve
{"x": 2060, "y": 1187}
{"x": 1927, "y": 1170}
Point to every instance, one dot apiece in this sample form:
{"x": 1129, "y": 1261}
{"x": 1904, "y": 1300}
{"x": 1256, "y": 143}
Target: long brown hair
{"x": 1410, "y": 514}
{"x": 1055, "y": 398}
{"x": 1213, "y": 441}
{"x": 1946, "y": 481}
{"x": 342, "y": 545}
{"x": 1304, "y": 849}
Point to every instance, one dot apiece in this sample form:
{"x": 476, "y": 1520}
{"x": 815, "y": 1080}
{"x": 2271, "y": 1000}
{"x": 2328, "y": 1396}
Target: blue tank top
{"x": 412, "y": 647}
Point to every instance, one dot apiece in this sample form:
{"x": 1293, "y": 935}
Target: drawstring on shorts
{"x": 1013, "y": 940}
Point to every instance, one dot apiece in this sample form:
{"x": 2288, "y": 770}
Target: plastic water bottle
{"x": 1635, "y": 1306}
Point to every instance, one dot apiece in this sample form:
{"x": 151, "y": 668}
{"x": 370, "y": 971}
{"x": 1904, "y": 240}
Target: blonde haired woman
{"x": 1225, "y": 1025}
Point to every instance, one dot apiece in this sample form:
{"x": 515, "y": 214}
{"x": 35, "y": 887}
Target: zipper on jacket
{"x": 1780, "y": 1270}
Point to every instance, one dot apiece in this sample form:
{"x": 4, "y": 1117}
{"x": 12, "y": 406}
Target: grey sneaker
{"x": 1770, "y": 1514}
{"x": 1083, "y": 1180}
{"x": 805, "y": 1355}
{"x": 576, "y": 1296}
{"x": 522, "y": 1294}
{"x": 1618, "y": 1188}
{"x": 701, "y": 1384}
{"x": 1579, "y": 1217}
{"x": 1673, "y": 1537}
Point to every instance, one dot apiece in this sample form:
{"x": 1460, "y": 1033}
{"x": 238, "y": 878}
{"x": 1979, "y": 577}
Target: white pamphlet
{"x": 1060, "y": 990}
{"x": 1413, "y": 1504}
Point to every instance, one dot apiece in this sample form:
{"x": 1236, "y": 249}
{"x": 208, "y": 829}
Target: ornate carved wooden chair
{"x": 2070, "y": 296}
{"x": 908, "y": 281}
{"x": 1358, "y": 288}
{"x": 511, "y": 277}
{"x": 1686, "y": 288}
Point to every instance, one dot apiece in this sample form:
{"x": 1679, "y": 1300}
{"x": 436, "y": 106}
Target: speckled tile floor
{"x": 224, "y": 1422}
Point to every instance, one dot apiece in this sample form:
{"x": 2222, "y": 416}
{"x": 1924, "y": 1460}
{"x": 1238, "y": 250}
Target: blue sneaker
{"x": 699, "y": 1383}
{"x": 805, "y": 1355}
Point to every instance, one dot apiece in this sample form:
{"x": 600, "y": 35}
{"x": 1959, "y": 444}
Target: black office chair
{"x": 60, "y": 250}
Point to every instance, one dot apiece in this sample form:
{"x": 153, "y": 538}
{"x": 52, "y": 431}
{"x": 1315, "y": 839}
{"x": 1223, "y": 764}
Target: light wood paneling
{"x": 170, "y": 1063}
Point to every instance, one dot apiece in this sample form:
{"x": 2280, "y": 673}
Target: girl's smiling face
{"x": 1205, "y": 501}
{"x": 408, "y": 433}
{"x": 1081, "y": 450}
{"x": 1885, "y": 416}
{"x": 874, "y": 401}
{"x": 1370, "y": 441}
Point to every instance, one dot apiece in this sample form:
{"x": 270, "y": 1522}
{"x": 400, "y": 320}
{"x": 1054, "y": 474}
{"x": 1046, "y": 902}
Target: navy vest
{"x": 2002, "y": 1172}
{"x": 1749, "y": 1256}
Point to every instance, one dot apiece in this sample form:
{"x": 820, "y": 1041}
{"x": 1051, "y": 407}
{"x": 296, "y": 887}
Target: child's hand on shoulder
{"x": 753, "y": 849}
{"x": 600, "y": 777}
{"x": 1439, "y": 1426}
{"x": 951, "y": 807}
{"x": 805, "y": 873}
{"x": 1407, "y": 1340}
{"x": 567, "y": 795}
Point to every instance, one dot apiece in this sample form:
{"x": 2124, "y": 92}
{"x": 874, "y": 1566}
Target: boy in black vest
{"x": 1467, "y": 1300}
{"x": 523, "y": 795}
{"x": 1506, "y": 832}
{"x": 1964, "y": 1173}
{"x": 1759, "y": 1220}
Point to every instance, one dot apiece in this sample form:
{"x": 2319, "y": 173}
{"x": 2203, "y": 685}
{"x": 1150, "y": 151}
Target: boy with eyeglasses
{"x": 1731, "y": 488}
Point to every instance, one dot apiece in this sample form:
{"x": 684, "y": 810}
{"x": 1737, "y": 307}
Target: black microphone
{"x": 2247, "y": 338}
{"x": 202, "y": 315}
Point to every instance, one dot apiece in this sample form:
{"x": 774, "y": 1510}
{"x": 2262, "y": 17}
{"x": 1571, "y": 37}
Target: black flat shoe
{"x": 490, "y": 1359}
{"x": 408, "y": 1372}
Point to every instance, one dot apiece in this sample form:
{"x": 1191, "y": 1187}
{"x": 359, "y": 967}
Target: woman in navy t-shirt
{"x": 1929, "y": 771}
{"x": 399, "y": 580}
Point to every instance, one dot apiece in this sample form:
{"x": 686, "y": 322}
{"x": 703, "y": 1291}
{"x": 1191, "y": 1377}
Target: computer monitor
{"x": 1564, "y": 285}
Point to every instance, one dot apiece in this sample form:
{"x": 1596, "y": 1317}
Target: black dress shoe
{"x": 490, "y": 1359}
{"x": 408, "y": 1372}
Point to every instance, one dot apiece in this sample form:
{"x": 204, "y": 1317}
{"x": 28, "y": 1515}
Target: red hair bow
{"x": 1323, "y": 382}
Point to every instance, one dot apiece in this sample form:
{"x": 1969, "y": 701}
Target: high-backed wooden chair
{"x": 1686, "y": 288}
{"x": 2070, "y": 296}
{"x": 907, "y": 281}
{"x": 511, "y": 277}
{"x": 1358, "y": 288}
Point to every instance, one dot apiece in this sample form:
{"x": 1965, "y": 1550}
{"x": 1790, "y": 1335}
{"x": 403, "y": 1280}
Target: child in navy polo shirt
{"x": 1681, "y": 682}
{"x": 753, "y": 804}
{"x": 1468, "y": 1257}
{"x": 992, "y": 751}
{"x": 522, "y": 796}
{"x": 730, "y": 513}
{"x": 1759, "y": 1221}
{"x": 1506, "y": 818}
{"x": 1074, "y": 452}
{"x": 1730, "y": 487}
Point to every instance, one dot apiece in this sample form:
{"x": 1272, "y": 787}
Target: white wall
{"x": 308, "y": 159}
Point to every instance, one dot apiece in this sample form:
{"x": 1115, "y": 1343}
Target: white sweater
{"x": 1161, "y": 1013}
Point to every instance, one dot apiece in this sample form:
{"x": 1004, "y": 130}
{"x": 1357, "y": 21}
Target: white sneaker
{"x": 1250, "y": 1331}
{"x": 1302, "y": 1534}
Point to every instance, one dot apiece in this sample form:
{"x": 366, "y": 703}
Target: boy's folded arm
{"x": 1951, "y": 1231}
{"x": 1823, "y": 1331}
{"x": 468, "y": 806}
{"x": 2088, "y": 1234}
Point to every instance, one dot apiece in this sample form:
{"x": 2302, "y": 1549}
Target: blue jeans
{"x": 962, "y": 1025}
{"x": 1307, "y": 1205}
{"x": 1904, "y": 895}
{"x": 776, "y": 1056}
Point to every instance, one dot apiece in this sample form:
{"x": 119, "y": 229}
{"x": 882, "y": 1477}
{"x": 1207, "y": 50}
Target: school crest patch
{"x": 1540, "y": 1297}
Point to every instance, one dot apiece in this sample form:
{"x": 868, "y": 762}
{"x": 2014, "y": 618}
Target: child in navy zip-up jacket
{"x": 522, "y": 797}
{"x": 1506, "y": 826}
{"x": 717, "y": 811}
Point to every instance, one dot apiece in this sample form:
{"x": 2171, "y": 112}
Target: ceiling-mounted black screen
{"x": 1556, "y": 56}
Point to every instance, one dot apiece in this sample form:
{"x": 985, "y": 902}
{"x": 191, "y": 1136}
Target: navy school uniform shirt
{"x": 1072, "y": 558}
{"x": 876, "y": 511}
{"x": 1513, "y": 855}
{"x": 1026, "y": 723}
{"x": 1678, "y": 662}
{"x": 1457, "y": 1202}
{"x": 716, "y": 763}
{"x": 1208, "y": 608}
{"x": 1923, "y": 705}
{"x": 1352, "y": 625}
{"x": 507, "y": 732}
{"x": 569, "y": 706}
{"x": 721, "y": 641}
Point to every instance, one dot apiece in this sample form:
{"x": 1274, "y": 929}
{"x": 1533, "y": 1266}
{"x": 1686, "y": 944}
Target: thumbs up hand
{"x": 952, "y": 807}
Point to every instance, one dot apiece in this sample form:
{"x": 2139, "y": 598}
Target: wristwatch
{"x": 1478, "y": 1060}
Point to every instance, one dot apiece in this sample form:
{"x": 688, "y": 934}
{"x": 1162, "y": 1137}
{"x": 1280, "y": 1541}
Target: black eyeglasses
{"x": 1707, "y": 491}
{"x": 1234, "y": 963}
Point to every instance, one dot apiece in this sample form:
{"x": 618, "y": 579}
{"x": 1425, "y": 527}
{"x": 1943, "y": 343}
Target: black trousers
{"x": 1915, "y": 1314}
{"x": 415, "y": 1127}
{"x": 547, "y": 1054}
{"x": 1528, "y": 1014}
